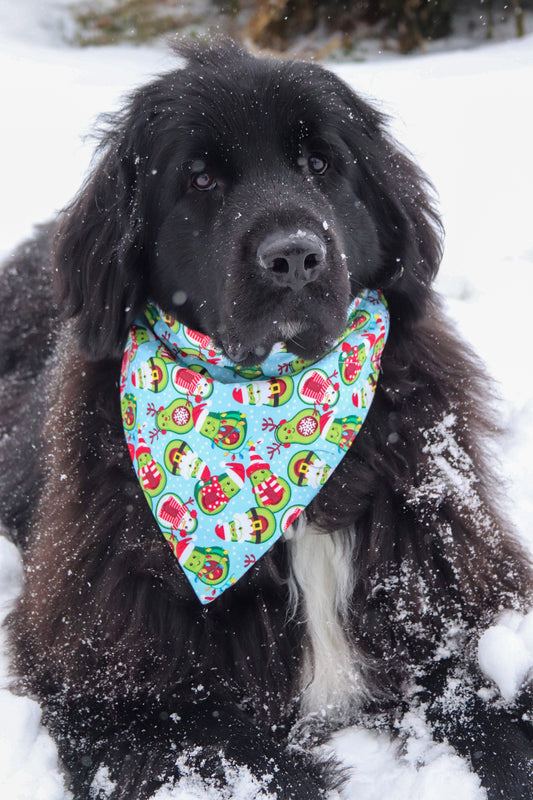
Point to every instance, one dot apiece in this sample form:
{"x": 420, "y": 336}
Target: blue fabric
{"x": 229, "y": 456}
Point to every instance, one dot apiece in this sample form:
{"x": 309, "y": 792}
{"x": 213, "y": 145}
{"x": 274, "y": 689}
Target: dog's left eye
{"x": 317, "y": 163}
{"x": 203, "y": 181}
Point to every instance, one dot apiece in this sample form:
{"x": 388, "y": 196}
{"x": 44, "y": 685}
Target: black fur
{"x": 132, "y": 672}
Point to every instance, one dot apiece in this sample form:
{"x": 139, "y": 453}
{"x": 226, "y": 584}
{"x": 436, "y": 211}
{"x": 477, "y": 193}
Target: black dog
{"x": 202, "y": 183}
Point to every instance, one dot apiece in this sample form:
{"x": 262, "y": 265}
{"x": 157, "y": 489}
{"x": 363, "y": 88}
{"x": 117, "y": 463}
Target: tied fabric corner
{"x": 228, "y": 456}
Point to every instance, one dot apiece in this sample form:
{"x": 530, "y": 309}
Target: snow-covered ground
{"x": 467, "y": 116}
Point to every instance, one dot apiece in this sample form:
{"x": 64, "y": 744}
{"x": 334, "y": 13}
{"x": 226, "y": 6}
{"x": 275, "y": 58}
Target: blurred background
{"x": 317, "y": 28}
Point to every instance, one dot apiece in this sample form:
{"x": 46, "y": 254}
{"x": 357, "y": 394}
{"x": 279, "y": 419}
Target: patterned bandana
{"x": 229, "y": 456}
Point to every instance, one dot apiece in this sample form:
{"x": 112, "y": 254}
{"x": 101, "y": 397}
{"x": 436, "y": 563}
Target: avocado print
{"x": 174, "y": 515}
{"x": 275, "y": 392}
{"x": 151, "y": 476}
{"x": 270, "y": 490}
{"x": 351, "y": 362}
{"x": 360, "y": 320}
{"x": 128, "y": 408}
{"x": 303, "y": 428}
{"x": 307, "y": 426}
{"x": 209, "y": 564}
{"x": 151, "y": 374}
{"x": 229, "y": 456}
{"x": 257, "y": 525}
{"x": 180, "y": 459}
{"x": 226, "y": 430}
{"x": 214, "y": 494}
{"x": 308, "y": 469}
{"x": 176, "y": 417}
{"x": 318, "y": 388}
{"x": 193, "y": 381}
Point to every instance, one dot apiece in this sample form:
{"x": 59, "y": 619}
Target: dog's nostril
{"x": 292, "y": 259}
{"x": 280, "y": 265}
{"x": 311, "y": 261}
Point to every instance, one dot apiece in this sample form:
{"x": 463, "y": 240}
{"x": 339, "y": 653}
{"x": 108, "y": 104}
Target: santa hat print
{"x": 142, "y": 448}
{"x": 326, "y": 421}
{"x": 199, "y": 414}
{"x": 205, "y": 473}
{"x": 236, "y": 472}
{"x": 240, "y": 396}
{"x": 183, "y": 548}
{"x": 256, "y": 462}
{"x": 223, "y": 531}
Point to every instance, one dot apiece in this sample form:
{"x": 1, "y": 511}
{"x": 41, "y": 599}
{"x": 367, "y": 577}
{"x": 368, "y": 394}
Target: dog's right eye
{"x": 203, "y": 181}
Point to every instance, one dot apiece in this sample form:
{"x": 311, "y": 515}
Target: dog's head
{"x": 251, "y": 198}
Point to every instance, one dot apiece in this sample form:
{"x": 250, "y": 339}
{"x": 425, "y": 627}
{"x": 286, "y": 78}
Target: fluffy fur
{"x": 410, "y": 556}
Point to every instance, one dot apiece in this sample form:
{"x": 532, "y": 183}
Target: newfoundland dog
{"x": 251, "y": 200}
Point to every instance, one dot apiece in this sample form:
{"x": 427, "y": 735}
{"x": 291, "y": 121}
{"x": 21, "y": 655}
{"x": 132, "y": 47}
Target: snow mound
{"x": 505, "y": 652}
{"x": 422, "y": 770}
{"x": 29, "y": 767}
{"x": 240, "y": 785}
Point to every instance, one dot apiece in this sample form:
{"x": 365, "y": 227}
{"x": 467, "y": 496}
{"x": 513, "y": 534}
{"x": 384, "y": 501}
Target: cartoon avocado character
{"x": 226, "y": 430}
{"x": 176, "y": 417}
{"x": 307, "y": 425}
{"x": 351, "y": 360}
{"x": 317, "y": 387}
{"x": 274, "y": 392}
{"x": 257, "y": 525}
{"x": 202, "y": 340}
{"x": 151, "y": 314}
{"x": 343, "y": 431}
{"x": 171, "y": 322}
{"x": 175, "y": 514}
{"x": 194, "y": 381}
{"x": 295, "y": 366}
{"x": 151, "y": 374}
{"x": 139, "y": 336}
{"x": 151, "y": 476}
{"x": 213, "y": 495}
{"x": 359, "y": 319}
{"x": 377, "y": 345}
{"x": 303, "y": 428}
{"x": 308, "y": 469}
{"x": 270, "y": 491}
{"x": 128, "y": 407}
{"x": 210, "y": 564}
{"x": 181, "y": 459}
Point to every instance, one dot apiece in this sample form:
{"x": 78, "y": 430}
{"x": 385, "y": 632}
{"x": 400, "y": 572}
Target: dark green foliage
{"x": 277, "y": 24}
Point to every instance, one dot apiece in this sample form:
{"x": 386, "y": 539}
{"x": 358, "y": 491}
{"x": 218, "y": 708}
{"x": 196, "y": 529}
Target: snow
{"x": 466, "y": 116}
{"x": 426, "y": 771}
{"x": 28, "y": 758}
{"x": 505, "y": 652}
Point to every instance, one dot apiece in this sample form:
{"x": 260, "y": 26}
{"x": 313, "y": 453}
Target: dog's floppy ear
{"x": 400, "y": 199}
{"x": 99, "y": 248}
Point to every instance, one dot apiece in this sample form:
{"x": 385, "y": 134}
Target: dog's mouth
{"x": 241, "y": 353}
{"x": 305, "y": 339}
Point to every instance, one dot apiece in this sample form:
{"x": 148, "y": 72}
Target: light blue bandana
{"x": 229, "y": 456}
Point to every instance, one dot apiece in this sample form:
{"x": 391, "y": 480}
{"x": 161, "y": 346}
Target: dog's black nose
{"x": 292, "y": 259}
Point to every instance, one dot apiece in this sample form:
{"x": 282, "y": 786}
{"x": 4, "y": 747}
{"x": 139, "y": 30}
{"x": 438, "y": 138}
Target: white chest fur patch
{"x": 322, "y": 583}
